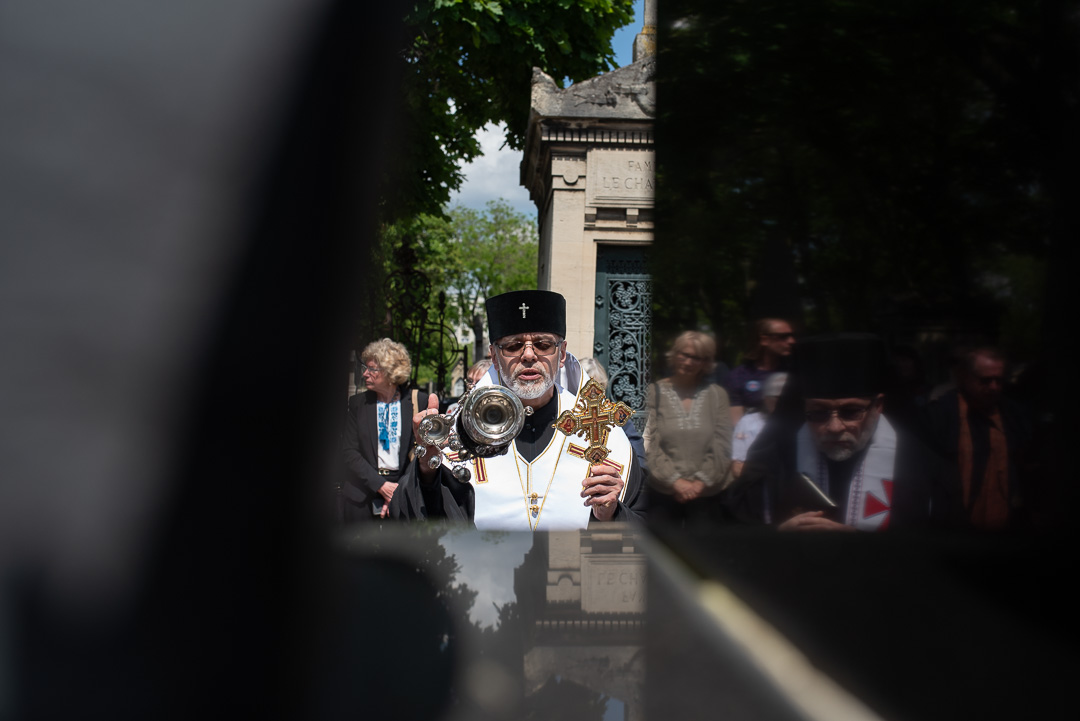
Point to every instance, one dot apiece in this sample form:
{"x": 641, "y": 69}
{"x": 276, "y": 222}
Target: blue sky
{"x": 495, "y": 174}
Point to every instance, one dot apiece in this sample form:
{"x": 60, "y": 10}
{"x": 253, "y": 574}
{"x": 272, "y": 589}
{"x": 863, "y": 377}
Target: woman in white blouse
{"x": 688, "y": 437}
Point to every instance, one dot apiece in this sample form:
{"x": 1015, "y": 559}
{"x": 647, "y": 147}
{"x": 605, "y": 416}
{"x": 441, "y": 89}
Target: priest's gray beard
{"x": 528, "y": 390}
{"x": 852, "y": 443}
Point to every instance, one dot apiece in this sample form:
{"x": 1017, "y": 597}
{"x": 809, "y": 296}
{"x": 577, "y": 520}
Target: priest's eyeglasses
{"x": 540, "y": 346}
{"x": 847, "y": 414}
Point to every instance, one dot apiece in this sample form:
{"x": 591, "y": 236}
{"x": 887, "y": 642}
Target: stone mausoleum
{"x": 589, "y": 166}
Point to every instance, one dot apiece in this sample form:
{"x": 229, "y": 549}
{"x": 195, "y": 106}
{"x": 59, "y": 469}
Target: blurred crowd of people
{"x": 840, "y": 432}
{"x": 832, "y": 432}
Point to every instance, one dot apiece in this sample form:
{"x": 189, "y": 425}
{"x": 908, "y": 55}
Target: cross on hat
{"x": 526, "y": 311}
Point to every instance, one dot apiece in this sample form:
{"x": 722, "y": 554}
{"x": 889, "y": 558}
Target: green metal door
{"x": 623, "y": 324}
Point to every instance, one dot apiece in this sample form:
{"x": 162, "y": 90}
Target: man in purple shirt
{"x": 770, "y": 346}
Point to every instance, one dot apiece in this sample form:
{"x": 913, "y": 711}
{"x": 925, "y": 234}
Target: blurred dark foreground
{"x": 185, "y": 190}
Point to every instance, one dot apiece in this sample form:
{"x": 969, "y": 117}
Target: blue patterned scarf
{"x": 389, "y": 419}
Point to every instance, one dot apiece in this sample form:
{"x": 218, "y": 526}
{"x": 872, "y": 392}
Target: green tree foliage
{"x": 468, "y": 63}
{"x": 494, "y": 252}
{"x": 859, "y": 161}
{"x": 451, "y": 263}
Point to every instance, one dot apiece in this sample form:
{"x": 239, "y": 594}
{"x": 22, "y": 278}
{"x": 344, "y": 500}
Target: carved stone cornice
{"x": 593, "y": 135}
{"x": 612, "y": 110}
{"x": 551, "y": 139}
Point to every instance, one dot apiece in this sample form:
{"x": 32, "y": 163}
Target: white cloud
{"x": 494, "y": 175}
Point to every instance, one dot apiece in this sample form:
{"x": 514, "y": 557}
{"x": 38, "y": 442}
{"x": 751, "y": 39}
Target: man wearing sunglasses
{"x": 770, "y": 344}
{"x": 543, "y": 481}
{"x": 833, "y": 461}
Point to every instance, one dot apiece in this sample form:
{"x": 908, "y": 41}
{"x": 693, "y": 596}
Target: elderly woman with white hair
{"x": 688, "y": 437}
{"x": 378, "y": 432}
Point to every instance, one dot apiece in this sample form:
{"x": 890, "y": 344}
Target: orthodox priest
{"x": 544, "y": 481}
{"x": 832, "y": 460}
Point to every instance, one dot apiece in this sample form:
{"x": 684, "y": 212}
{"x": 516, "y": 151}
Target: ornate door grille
{"x": 623, "y": 324}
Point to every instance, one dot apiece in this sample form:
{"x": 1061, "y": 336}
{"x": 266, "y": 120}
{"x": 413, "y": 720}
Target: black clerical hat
{"x": 845, "y": 365}
{"x": 526, "y": 311}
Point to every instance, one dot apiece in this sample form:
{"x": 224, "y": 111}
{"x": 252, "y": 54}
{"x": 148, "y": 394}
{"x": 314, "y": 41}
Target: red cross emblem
{"x": 873, "y": 505}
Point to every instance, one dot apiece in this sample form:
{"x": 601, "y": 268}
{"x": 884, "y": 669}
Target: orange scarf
{"x": 990, "y": 508}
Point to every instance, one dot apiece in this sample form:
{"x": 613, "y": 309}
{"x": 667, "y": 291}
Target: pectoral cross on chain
{"x": 592, "y": 418}
{"x": 523, "y": 308}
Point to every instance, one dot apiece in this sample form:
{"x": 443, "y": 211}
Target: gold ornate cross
{"x": 592, "y": 418}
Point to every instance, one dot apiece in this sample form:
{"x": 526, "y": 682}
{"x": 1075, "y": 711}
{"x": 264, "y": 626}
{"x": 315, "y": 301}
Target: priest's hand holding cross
{"x": 601, "y": 490}
{"x": 592, "y": 418}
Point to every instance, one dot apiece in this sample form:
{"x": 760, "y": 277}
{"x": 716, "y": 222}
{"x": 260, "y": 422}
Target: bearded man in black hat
{"x": 832, "y": 461}
{"x": 543, "y": 481}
